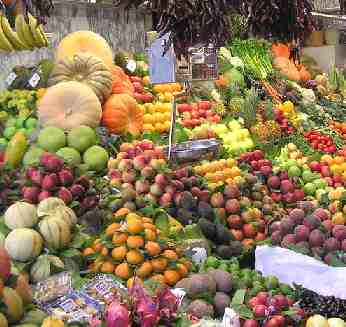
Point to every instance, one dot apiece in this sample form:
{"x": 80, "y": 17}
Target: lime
{"x": 212, "y": 262}
{"x": 20, "y": 122}
{"x": 9, "y": 132}
{"x": 96, "y": 158}
{"x": 29, "y": 131}
{"x": 31, "y": 123}
{"x": 51, "y": 139}
{"x": 70, "y": 156}
{"x": 81, "y": 138}
{"x": 11, "y": 122}
{"x": 223, "y": 266}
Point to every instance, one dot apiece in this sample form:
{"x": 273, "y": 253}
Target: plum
{"x": 288, "y": 239}
{"x": 321, "y": 214}
{"x": 31, "y": 193}
{"x": 276, "y": 238}
{"x": 65, "y": 195}
{"x": 328, "y": 225}
{"x": 50, "y": 181}
{"x": 286, "y": 226}
{"x": 260, "y": 310}
{"x": 316, "y": 238}
{"x": 301, "y": 233}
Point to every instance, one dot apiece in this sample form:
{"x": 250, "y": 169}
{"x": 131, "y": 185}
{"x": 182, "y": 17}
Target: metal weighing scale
{"x": 200, "y": 65}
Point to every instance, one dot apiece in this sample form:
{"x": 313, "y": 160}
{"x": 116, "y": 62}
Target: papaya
{"x": 23, "y": 288}
{"x": 16, "y": 149}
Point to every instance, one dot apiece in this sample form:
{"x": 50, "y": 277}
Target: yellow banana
{"x": 38, "y": 38}
{"x": 10, "y": 34}
{"x": 4, "y": 42}
{"x": 43, "y": 34}
{"x": 23, "y": 31}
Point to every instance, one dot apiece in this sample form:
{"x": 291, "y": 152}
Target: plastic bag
{"x": 291, "y": 267}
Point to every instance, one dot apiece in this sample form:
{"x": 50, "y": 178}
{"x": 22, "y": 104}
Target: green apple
{"x": 320, "y": 183}
{"x": 294, "y": 171}
{"x": 308, "y": 176}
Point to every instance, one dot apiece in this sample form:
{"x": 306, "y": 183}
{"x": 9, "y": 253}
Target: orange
{"x": 149, "y": 226}
{"x": 112, "y": 228}
{"x": 144, "y": 270}
{"x": 186, "y": 263}
{"x": 147, "y": 220}
{"x": 149, "y": 235}
{"x": 135, "y": 241}
{"x": 123, "y": 271}
{"x": 170, "y": 255}
{"x": 159, "y": 264}
{"x": 97, "y": 245}
{"x": 132, "y": 281}
{"x": 338, "y": 160}
{"x": 104, "y": 252}
{"x": 107, "y": 268}
{"x": 326, "y": 158}
{"x": 153, "y": 248}
{"x": 134, "y": 257}
{"x": 172, "y": 277}
{"x": 122, "y": 212}
{"x": 182, "y": 270}
{"x": 88, "y": 251}
{"x": 119, "y": 253}
{"x": 159, "y": 278}
{"x": 134, "y": 225}
{"x": 119, "y": 238}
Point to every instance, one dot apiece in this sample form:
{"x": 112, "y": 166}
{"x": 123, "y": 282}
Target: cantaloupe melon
{"x": 85, "y": 41}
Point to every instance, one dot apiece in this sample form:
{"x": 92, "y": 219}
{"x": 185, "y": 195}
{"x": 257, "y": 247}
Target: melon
{"x": 32, "y": 156}
{"x": 96, "y": 158}
{"x": 81, "y": 138}
{"x": 85, "y": 41}
{"x": 70, "y": 155}
{"x": 52, "y": 139}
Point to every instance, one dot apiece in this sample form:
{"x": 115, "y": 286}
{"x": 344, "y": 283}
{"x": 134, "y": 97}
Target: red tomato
{"x": 202, "y": 113}
{"x": 187, "y": 123}
{"x": 194, "y": 122}
{"x": 147, "y": 97}
{"x": 195, "y": 114}
{"x": 204, "y": 105}
{"x": 216, "y": 119}
{"x": 183, "y": 107}
{"x": 139, "y": 97}
{"x": 138, "y": 87}
{"x": 209, "y": 113}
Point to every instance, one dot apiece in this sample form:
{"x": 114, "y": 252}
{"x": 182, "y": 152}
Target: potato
{"x": 222, "y": 278}
{"x": 221, "y": 302}
{"x": 200, "y": 309}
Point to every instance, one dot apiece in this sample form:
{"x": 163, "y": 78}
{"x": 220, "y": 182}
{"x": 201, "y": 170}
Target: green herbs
{"x": 255, "y": 55}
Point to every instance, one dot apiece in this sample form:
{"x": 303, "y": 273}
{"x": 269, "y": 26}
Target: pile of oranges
{"x": 133, "y": 249}
{"x": 167, "y": 91}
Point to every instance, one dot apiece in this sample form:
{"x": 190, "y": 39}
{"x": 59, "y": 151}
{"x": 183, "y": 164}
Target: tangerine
{"x": 123, "y": 271}
{"x": 112, "y": 228}
{"x": 134, "y": 257}
{"x": 119, "y": 238}
{"x": 153, "y": 248}
{"x": 149, "y": 235}
{"x": 170, "y": 255}
{"x": 134, "y": 225}
{"x": 135, "y": 241}
{"x": 119, "y": 253}
{"x": 159, "y": 278}
{"x": 172, "y": 277}
{"x": 159, "y": 264}
{"x": 144, "y": 270}
{"x": 88, "y": 251}
{"x": 107, "y": 267}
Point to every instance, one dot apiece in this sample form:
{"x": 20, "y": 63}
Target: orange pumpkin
{"x": 121, "y": 114}
{"x": 120, "y": 86}
{"x": 280, "y": 50}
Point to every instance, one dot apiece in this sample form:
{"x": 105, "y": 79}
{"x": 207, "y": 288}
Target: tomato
{"x": 147, "y": 97}
{"x": 216, "y": 119}
{"x": 183, "y": 107}
{"x": 202, "y": 113}
{"x": 187, "y": 123}
{"x": 138, "y": 87}
{"x": 194, "y": 122}
{"x": 332, "y": 148}
{"x": 194, "y": 114}
{"x": 204, "y": 105}
{"x": 139, "y": 97}
{"x": 209, "y": 113}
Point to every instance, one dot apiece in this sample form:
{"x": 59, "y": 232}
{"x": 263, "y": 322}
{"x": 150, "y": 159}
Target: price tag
{"x": 179, "y": 293}
{"x": 34, "y": 80}
{"x": 131, "y": 66}
{"x": 199, "y": 255}
{"x": 10, "y": 78}
{"x": 230, "y": 318}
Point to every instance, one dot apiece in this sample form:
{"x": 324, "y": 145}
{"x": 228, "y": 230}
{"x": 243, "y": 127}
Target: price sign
{"x": 34, "y": 80}
{"x": 10, "y": 78}
{"x": 131, "y": 66}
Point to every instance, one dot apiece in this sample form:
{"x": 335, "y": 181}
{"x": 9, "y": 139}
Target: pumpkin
{"x": 121, "y": 87}
{"x": 121, "y": 114}
{"x": 56, "y": 232}
{"x": 85, "y": 41}
{"x": 69, "y": 104}
{"x": 14, "y": 305}
{"x": 44, "y": 266}
{"x": 21, "y": 215}
{"x": 87, "y": 69}
{"x": 5, "y": 265}
{"x": 23, "y": 244}
{"x": 66, "y": 214}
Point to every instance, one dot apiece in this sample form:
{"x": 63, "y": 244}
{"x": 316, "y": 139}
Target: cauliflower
{"x": 308, "y": 96}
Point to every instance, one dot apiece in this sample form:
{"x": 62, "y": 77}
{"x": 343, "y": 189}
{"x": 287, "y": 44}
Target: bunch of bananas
{"x": 29, "y": 34}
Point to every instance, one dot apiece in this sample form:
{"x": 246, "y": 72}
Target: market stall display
{"x": 100, "y": 227}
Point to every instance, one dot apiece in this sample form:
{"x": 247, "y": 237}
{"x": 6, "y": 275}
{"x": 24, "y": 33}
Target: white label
{"x": 230, "y": 318}
{"x": 34, "y": 80}
{"x": 131, "y": 66}
{"x": 199, "y": 255}
{"x": 179, "y": 293}
{"x": 10, "y": 78}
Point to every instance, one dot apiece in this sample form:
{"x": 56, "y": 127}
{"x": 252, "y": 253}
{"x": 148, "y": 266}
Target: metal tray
{"x": 194, "y": 150}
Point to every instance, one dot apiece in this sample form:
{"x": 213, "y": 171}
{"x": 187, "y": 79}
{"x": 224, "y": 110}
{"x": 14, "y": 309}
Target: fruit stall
{"x": 200, "y": 181}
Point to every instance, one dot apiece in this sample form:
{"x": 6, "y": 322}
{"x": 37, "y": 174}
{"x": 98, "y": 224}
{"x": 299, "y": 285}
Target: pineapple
{"x": 235, "y": 105}
{"x": 248, "y": 110}
{"x": 219, "y": 109}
